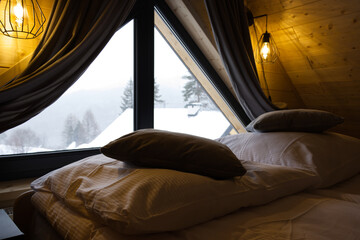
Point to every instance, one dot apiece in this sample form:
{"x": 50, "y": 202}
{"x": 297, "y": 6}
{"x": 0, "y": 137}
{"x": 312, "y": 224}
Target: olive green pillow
{"x": 296, "y": 120}
{"x": 177, "y": 151}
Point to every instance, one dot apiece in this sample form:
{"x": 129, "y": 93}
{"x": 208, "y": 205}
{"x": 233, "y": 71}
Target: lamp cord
{"x": 262, "y": 64}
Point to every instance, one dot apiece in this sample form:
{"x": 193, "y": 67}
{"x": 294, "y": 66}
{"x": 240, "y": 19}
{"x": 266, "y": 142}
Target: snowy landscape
{"x": 98, "y": 107}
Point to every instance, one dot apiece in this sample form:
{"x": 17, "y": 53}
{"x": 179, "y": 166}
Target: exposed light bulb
{"x": 22, "y": 19}
{"x": 265, "y": 50}
{"x": 19, "y": 13}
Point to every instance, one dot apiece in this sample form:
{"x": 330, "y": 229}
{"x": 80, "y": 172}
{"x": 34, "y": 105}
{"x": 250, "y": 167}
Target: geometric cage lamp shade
{"x": 22, "y": 19}
{"x": 266, "y": 50}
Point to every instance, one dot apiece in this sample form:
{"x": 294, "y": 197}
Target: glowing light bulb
{"x": 265, "y": 50}
{"x": 19, "y": 13}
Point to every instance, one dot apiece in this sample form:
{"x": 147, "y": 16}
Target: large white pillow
{"x": 139, "y": 200}
{"x": 333, "y": 157}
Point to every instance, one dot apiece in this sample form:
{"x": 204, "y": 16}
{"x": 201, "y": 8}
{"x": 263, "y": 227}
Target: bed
{"x": 288, "y": 185}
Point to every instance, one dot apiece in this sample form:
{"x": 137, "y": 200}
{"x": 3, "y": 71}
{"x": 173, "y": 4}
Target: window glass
{"x": 181, "y": 102}
{"x": 82, "y": 116}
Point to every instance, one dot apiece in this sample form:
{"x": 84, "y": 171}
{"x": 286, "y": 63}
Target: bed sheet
{"x": 332, "y": 213}
{"x": 136, "y": 200}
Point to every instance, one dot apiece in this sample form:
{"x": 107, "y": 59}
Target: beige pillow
{"x": 177, "y": 151}
{"x": 333, "y": 157}
{"x": 297, "y": 120}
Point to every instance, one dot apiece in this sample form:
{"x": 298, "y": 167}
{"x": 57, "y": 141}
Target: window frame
{"x": 19, "y": 166}
{"x": 199, "y": 58}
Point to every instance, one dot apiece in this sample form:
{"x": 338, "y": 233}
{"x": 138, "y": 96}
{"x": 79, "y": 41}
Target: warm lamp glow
{"x": 19, "y": 13}
{"x": 266, "y": 50}
{"x": 21, "y": 18}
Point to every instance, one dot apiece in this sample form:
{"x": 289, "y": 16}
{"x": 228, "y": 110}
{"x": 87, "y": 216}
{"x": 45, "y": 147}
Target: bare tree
{"x": 90, "y": 126}
{"x": 23, "y": 140}
{"x": 69, "y": 132}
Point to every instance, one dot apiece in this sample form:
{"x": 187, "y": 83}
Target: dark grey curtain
{"x": 230, "y": 26}
{"x": 77, "y": 31}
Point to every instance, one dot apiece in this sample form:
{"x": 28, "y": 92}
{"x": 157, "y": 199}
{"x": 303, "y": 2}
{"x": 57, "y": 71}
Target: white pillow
{"x": 333, "y": 157}
{"x": 137, "y": 201}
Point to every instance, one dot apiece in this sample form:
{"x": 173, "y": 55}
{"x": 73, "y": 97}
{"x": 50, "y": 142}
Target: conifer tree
{"x": 157, "y": 96}
{"x": 128, "y": 96}
{"x": 193, "y": 92}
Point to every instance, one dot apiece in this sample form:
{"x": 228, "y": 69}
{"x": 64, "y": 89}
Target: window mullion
{"x": 144, "y": 66}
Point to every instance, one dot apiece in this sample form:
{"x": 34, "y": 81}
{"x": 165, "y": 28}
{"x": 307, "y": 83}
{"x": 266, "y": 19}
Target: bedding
{"x": 296, "y": 185}
{"x": 333, "y": 157}
{"x": 136, "y": 201}
{"x": 333, "y": 213}
{"x": 295, "y": 120}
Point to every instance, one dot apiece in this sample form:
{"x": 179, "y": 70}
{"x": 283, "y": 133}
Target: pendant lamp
{"x": 22, "y": 19}
{"x": 266, "y": 50}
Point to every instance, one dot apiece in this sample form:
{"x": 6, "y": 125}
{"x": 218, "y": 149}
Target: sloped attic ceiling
{"x": 319, "y": 63}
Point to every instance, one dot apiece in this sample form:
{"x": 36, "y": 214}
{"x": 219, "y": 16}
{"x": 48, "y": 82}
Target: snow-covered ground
{"x": 6, "y": 149}
{"x": 208, "y": 124}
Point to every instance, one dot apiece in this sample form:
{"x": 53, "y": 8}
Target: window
{"x": 124, "y": 100}
{"x": 181, "y": 103}
{"x": 79, "y": 118}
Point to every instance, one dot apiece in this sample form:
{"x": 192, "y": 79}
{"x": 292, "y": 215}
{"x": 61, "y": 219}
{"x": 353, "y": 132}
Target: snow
{"x": 208, "y": 124}
{"x": 7, "y": 149}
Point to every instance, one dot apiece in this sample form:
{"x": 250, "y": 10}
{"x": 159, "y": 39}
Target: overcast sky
{"x": 114, "y": 65}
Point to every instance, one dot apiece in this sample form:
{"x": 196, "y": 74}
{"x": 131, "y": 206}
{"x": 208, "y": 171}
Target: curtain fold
{"x": 230, "y": 27}
{"x": 77, "y": 31}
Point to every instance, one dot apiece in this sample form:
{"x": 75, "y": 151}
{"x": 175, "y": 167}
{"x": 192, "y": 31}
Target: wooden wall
{"x": 319, "y": 52}
{"x": 319, "y": 58}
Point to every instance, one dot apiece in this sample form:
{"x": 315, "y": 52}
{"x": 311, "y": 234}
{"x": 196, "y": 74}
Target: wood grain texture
{"x": 319, "y": 51}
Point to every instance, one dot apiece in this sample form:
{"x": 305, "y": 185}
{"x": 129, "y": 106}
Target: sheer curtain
{"x": 77, "y": 31}
{"x": 230, "y": 26}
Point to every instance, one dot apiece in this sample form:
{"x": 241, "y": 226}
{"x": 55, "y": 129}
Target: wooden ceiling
{"x": 318, "y": 40}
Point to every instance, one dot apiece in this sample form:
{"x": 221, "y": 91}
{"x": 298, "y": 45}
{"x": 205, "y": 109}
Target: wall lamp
{"x": 266, "y": 50}
{"x": 22, "y": 19}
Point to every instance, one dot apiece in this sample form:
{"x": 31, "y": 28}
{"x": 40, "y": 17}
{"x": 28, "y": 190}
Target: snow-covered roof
{"x": 208, "y": 124}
